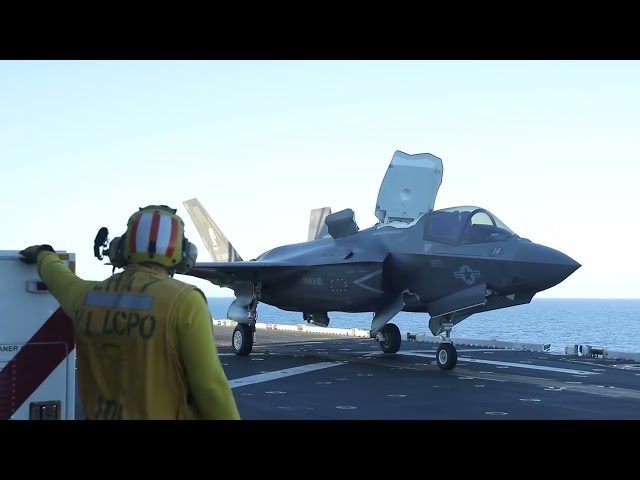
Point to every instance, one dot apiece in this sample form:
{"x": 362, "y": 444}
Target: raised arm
{"x": 64, "y": 285}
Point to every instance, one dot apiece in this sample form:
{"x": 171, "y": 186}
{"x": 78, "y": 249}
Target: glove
{"x": 30, "y": 254}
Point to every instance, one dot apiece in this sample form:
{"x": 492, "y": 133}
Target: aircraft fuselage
{"x": 361, "y": 272}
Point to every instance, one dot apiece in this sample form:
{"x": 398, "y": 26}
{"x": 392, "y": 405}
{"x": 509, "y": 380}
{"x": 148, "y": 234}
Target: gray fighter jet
{"x": 448, "y": 263}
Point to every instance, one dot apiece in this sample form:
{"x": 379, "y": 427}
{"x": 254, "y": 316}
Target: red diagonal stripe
{"x": 35, "y": 361}
{"x": 174, "y": 237}
{"x": 155, "y": 225}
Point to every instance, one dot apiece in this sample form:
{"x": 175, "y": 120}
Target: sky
{"x": 552, "y": 148}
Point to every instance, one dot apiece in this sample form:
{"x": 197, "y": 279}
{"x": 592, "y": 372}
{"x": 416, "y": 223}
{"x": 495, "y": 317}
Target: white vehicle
{"x": 37, "y": 345}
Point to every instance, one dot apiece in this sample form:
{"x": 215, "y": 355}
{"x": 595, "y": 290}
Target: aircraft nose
{"x": 539, "y": 267}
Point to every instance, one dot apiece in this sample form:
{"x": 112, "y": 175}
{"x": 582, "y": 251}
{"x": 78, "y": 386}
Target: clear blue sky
{"x": 551, "y": 147}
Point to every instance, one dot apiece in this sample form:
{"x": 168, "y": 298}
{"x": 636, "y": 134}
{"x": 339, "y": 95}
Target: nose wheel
{"x": 446, "y": 356}
{"x": 242, "y": 339}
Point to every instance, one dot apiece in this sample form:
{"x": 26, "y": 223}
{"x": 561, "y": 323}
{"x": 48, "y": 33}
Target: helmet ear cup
{"x": 189, "y": 257}
{"x": 116, "y": 254}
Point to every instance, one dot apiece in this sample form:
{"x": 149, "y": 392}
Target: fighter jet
{"x": 448, "y": 263}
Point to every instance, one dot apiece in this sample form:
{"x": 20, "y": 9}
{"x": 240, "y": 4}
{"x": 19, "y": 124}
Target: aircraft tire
{"x": 390, "y": 338}
{"x": 446, "y": 356}
{"x": 242, "y": 339}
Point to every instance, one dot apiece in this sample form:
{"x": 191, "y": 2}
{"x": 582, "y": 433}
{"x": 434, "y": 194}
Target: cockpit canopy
{"x": 466, "y": 225}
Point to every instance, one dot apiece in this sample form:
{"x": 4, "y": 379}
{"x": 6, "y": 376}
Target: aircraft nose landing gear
{"x": 242, "y": 338}
{"x": 446, "y": 356}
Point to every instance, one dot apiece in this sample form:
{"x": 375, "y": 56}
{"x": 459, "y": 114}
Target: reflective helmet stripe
{"x": 153, "y": 234}
{"x": 174, "y": 236}
{"x": 142, "y": 229}
{"x": 151, "y": 230}
{"x": 133, "y": 235}
{"x": 163, "y": 234}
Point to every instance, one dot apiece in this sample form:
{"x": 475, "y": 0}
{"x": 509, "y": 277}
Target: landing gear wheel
{"x": 447, "y": 356}
{"x": 242, "y": 339}
{"x": 389, "y": 338}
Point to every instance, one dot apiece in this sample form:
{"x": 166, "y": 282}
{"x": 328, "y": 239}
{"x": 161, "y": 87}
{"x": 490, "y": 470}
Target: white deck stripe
{"x": 265, "y": 377}
{"x": 507, "y": 364}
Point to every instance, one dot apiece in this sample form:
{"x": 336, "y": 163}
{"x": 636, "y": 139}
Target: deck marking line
{"x": 507, "y": 364}
{"x": 287, "y": 372}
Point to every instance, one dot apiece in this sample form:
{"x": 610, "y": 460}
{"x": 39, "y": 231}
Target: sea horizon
{"x": 610, "y": 323}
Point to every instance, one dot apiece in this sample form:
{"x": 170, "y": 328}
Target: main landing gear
{"x": 244, "y": 311}
{"x": 387, "y": 334}
{"x": 389, "y": 338}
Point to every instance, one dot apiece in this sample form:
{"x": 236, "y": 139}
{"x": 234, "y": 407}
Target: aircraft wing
{"x": 225, "y": 274}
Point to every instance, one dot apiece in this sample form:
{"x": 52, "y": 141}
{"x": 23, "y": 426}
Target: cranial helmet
{"x": 154, "y": 234}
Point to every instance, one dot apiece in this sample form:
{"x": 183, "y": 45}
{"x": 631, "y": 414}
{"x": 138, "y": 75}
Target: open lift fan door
{"x": 409, "y": 187}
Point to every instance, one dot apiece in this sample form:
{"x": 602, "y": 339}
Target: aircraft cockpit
{"x": 466, "y": 225}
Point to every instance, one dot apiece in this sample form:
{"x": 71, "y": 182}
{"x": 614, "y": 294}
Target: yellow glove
{"x": 30, "y": 254}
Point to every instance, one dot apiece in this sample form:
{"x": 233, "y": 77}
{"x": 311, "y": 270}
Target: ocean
{"x": 613, "y": 324}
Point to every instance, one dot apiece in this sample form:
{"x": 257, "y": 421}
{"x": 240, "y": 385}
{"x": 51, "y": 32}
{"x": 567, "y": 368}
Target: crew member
{"x": 145, "y": 344}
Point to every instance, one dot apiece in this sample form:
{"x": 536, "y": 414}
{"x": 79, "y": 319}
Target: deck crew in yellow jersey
{"x": 145, "y": 344}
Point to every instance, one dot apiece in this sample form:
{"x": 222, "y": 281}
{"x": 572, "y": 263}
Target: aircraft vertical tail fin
{"x": 317, "y": 225}
{"x": 216, "y": 242}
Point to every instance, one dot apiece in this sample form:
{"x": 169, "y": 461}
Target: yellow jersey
{"x": 145, "y": 345}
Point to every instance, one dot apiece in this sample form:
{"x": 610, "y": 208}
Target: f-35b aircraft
{"x": 448, "y": 263}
